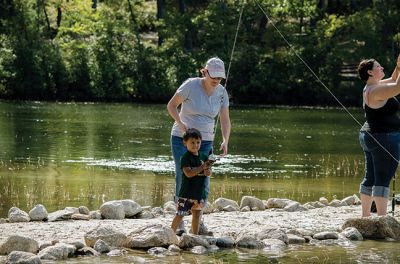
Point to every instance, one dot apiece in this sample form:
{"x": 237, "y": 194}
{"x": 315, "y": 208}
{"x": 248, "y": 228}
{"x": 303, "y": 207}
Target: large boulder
{"x": 190, "y": 241}
{"x": 252, "y": 202}
{"x": 60, "y": 215}
{"x": 285, "y": 204}
{"x": 17, "y": 215}
{"x": 152, "y": 236}
{"x": 112, "y": 210}
{"x": 223, "y": 204}
{"x": 131, "y": 208}
{"x": 20, "y": 257}
{"x": 57, "y": 252}
{"x": 19, "y": 243}
{"x": 38, "y": 213}
{"x": 375, "y": 227}
{"x": 112, "y": 237}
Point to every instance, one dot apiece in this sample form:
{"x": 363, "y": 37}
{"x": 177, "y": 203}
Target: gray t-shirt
{"x": 198, "y": 110}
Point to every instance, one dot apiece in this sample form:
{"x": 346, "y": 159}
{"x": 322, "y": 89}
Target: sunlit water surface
{"x": 63, "y": 155}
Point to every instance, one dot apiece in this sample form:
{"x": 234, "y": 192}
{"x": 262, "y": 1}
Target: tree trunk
{"x": 188, "y": 42}
{"x": 160, "y": 15}
{"x": 94, "y": 5}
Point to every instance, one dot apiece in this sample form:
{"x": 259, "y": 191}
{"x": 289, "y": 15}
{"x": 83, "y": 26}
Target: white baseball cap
{"x": 216, "y": 68}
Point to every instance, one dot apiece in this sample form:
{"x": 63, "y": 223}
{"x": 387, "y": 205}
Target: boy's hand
{"x": 207, "y": 172}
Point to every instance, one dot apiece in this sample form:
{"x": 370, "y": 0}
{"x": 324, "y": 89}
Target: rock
{"x": 76, "y": 244}
{"x": 84, "y": 210}
{"x": 73, "y": 210}
{"x": 293, "y": 239}
{"x": 174, "y": 248}
{"x": 352, "y": 233}
{"x": 57, "y": 252}
{"x": 87, "y": 251}
{"x": 17, "y": 215}
{"x": 274, "y": 246}
{"x": 80, "y": 217}
{"x": 152, "y": 236}
{"x": 337, "y": 203}
{"x": 199, "y": 250}
{"x": 117, "y": 252}
{"x": 225, "y": 242}
{"x": 286, "y": 204}
{"x": 294, "y": 207}
{"x": 19, "y": 243}
{"x": 157, "y": 211}
{"x": 349, "y": 200}
{"x": 170, "y": 207}
{"x": 252, "y": 202}
{"x": 60, "y": 215}
{"x": 324, "y": 201}
{"x": 131, "y": 208}
{"x": 145, "y": 215}
{"x": 156, "y": 251}
{"x": 95, "y": 215}
{"x": 224, "y": 204}
{"x": 3, "y": 220}
{"x": 312, "y": 205}
{"x": 326, "y": 235}
{"x": 375, "y": 227}
{"x": 246, "y": 241}
{"x": 300, "y": 232}
{"x": 44, "y": 245}
{"x": 272, "y": 233}
{"x": 38, "y": 213}
{"x": 189, "y": 241}
{"x": 112, "y": 237}
{"x": 112, "y": 210}
{"x": 21, "y": 257}
{"x": 230, "y": 208}
{"x": 208, "y": 209}
{"x": 245, "y": 209}
{"x": 101, "y": 246}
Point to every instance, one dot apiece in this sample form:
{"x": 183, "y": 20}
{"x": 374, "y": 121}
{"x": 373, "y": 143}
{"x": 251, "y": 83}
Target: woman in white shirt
{"x": 201, "y": 99}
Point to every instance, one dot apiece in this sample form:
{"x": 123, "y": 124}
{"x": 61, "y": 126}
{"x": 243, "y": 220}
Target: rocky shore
{"x": 269, "y": 225}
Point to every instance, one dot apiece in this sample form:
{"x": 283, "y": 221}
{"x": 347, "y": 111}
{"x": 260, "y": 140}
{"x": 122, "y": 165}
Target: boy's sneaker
{"x": 180, "y": 232}
{"x": 203, "y": 230}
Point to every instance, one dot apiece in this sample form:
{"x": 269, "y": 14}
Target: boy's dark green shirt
{"x": 194, "y": 187}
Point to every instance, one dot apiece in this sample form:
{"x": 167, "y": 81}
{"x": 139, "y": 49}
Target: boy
{"x": 195, "y": 168}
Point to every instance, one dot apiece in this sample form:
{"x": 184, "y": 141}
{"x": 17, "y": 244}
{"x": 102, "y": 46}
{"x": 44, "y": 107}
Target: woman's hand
{"x": 398, "y": 62}
{"x": 224, "y": 148}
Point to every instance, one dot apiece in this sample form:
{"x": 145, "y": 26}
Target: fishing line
{"x": 230, "y": 61}
{"x": 319, "y": 80}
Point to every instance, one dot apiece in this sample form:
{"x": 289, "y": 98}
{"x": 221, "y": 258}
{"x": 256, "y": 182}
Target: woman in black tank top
{"x": 380, "y": 134}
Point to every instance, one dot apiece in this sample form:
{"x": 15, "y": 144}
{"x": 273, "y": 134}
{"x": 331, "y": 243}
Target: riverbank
{"x": 272, "y": 228}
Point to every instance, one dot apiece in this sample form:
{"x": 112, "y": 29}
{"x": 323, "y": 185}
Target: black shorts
{"x": 185, "y": 206}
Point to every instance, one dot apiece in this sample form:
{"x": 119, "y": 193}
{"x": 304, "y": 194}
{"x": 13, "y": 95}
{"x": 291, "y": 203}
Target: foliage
{"x": 75, "y": 50}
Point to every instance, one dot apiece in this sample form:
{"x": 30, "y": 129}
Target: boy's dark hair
{"x": 364, "y": 67}
{"x": 191, "y": 133}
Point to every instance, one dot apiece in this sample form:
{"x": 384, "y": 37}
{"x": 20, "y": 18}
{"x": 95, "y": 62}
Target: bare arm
{"x": 191, "y": 172}
{"x": 384, "y": 91}
{"x": 172, "y": 107}
{"x": 225, "y": 129}
{"x": 395, "y": 73}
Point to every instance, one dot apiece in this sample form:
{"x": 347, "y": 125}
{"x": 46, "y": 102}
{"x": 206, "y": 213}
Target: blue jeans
{"x": 178, "y": 149}
{"x": 380, "y": 167}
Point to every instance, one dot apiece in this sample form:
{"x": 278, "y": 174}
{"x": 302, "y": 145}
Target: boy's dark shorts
{"x": 185, "y": 206}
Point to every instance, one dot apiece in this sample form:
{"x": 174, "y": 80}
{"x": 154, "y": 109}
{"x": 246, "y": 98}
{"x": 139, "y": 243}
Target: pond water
{"x": 72, "y": 154}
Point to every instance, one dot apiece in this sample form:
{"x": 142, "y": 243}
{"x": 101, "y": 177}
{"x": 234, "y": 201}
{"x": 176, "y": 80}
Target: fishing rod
{"x": 332, "y": 94}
